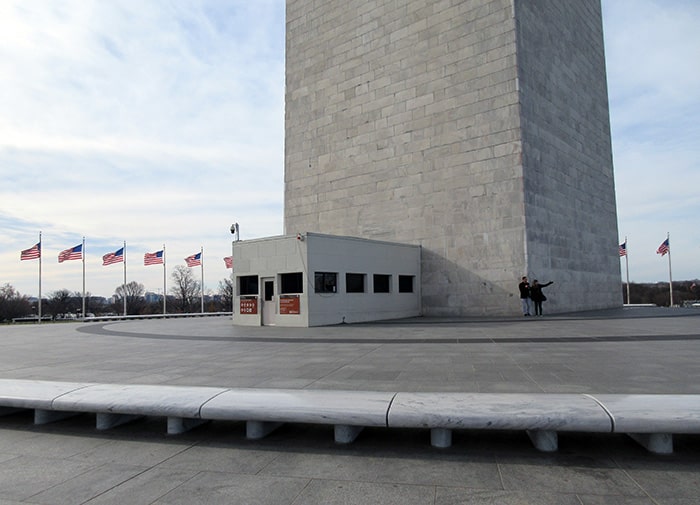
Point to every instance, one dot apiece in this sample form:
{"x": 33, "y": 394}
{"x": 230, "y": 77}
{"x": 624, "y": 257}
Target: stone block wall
{"x": 570, "y": 210}
{"x": 405, "y": 121}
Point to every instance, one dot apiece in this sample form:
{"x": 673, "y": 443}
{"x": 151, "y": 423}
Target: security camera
{"x": 233, "y": 229}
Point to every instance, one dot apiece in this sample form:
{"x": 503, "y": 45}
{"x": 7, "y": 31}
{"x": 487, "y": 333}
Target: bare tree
{"x": 186, "y": 289}
{"x": 12, "y": 304}
{"x": 226, "y": 294}
{"x": 134, "y": 292}
{"x": 62, "y": 302}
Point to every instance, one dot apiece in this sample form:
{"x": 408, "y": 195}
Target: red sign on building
{"x": 248, "y": 306}
{"x": 289, "y": 304}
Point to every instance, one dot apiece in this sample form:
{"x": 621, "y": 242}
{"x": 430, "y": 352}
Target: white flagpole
{"x": 124, "y": 285}
{"x": 670, "y": 277}
{"x": 164, "y": 291}
{"x": 83, "y": 250}
{"x": 201, "y": 264}
{"x": 627, "y": 267}
{"x": 40, "y": 254}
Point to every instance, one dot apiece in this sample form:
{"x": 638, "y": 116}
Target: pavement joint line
{"x": 102, "y": 331}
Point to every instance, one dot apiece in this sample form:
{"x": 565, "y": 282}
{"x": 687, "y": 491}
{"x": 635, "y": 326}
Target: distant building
{"x": 151, "y": 297}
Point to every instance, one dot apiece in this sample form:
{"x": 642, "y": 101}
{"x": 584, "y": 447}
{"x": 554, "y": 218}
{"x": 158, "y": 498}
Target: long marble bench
{"x": 653, "y": 419}
{"x": 540, "y": 415}
{"x": 185, "y": 407}
{"x": 649, "y": 419}
{"x": 265, "y": 409}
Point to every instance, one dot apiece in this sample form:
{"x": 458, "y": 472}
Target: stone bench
{"x": 38, "y": 395}
{"x": 541, "y": 415}
{"x": 188, "y": 406}
{"x": 116, "y": 404}
{"x": 652, "y": 419}
{"x": 265, "y": 409}
{"x": 113, "y": 404}
{"x": 649, "y": 419}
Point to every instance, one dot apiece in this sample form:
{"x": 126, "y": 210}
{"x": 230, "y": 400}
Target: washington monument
{"x": 478, "y": 129}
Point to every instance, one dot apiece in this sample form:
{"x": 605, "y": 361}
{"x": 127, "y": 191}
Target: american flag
{"x": 32, "y": 253}
{"x": 623, "y": 249}
{"x": 194, "y": 260}
{"x": 663, "y": 248}
{"x": 155, "y": 258}
{"x": 74, "y": 253}
{"x": 228, "y": 260}
{"x": 115, "y": 257}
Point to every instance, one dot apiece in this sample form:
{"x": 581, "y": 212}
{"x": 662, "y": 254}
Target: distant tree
{"x": 77, "y": 302}
{"x": 94, "y": 304}
{"x": 186, "y": 289}
{"x": 226, "y": 294}
{"x": 658, "y": 293}
{"x": 13, "y": 304}
{"x": 152, "y": 307}
{"x": 62, "y": 302}
{"x": 135, "y": 303}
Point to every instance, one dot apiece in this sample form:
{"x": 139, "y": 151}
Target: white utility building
{"x": 312, "y": 279}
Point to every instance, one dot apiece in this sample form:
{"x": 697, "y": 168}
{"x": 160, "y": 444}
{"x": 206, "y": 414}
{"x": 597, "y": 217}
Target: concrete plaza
{"x": 623, "y": 351}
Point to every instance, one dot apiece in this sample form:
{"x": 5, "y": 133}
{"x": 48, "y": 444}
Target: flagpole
{"x": 201, "y": 264}
{"x": 39, "y": 309}
{"x": 83, "y": 277}
{"x": 627, "y": 267}
{"x": 124, "y": 285}
{"x": 670, "y": 277}
{"x": 164, "y": 292}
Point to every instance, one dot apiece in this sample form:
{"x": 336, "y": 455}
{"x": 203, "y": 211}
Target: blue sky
{"x": 653, "y": 55}
{"x": 163, "y": 122}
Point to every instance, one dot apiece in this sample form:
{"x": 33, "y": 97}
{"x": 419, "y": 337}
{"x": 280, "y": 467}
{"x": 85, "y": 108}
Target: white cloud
{"x": 151, "y": 123}
{"x": 652, "y": 50}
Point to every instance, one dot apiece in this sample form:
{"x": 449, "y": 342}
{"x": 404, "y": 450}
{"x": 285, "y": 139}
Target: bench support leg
{"x": 658, "y": 443}
{"x": 50, "y": 416}
{"x": 345, "y": 434}
{"x": 105, "y": 421}
{"x": 441, "y": 437}
{"x": 259, "y": 429}
{"x": 177, "y": 425}
{"x": 545, "y": 441}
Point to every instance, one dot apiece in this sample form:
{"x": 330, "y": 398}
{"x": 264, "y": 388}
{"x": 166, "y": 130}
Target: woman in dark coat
{"x": 537, "y": 295}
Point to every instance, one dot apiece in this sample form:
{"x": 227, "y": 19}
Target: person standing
{"x": 524, "y": 288}
{"x": 538, "y": 296}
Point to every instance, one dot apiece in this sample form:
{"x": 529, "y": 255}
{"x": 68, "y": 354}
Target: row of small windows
{"x": 327, "y": 282}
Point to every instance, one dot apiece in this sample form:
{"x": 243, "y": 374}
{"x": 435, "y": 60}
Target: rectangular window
{"x": 382, "y": 283}
{"x": 292, "y": 283}
{"x": 248, "y": 285}
{"x": 269, "y": 291}
{"x": 354, "y": 283}
{"x": 325, "y": 282}
{"x": 406, "y": 283}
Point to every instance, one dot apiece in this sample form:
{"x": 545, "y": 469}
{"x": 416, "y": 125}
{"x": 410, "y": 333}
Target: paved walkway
{"x": 635, "y": 350}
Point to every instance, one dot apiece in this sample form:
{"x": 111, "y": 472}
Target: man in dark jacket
{"x": 524, "y": 288}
